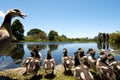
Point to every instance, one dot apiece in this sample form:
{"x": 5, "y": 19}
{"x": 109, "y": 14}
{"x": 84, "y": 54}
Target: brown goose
{"x": 114, "y": 65}
{"x": 103, "y": 69}
{"x": 5, "y": 29}
{"x": 80, "y": 71}
{"x": 66, "y": 60}
{"x": 49, "y": 63}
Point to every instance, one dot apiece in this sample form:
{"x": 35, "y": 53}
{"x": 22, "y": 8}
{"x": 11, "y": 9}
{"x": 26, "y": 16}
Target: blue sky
{"x": 73, "y": 18}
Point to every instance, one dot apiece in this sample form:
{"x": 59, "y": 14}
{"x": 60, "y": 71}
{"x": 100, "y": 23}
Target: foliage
{"x": 115, "y": 37}
{"x": 17, "y": 30}
{"x": 52, "y": 35}
{"x": 42, "y": 35}
{"x": 33, "y": 31}
{"x": 37, "y": 34}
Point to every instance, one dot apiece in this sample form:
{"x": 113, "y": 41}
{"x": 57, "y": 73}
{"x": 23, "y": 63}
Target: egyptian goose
{"x": 5, "y": 29}
{"x": 49, "y": 63}
{"x": 80, "y": 71}
{"x": 32, "y": 63}
{"x": 92, "y": 59}
{"x": 83, "y": 57}
{"x": 115, "y": 65}
{"x": 66, "y": 60}
{"x": 104, "y": 71}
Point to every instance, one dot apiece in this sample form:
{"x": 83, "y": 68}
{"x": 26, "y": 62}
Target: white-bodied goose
{"x": 5, "y": 29}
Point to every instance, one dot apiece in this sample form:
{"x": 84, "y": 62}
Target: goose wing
{"x": 3, "y": 34}
{"x": 4, "y": 39}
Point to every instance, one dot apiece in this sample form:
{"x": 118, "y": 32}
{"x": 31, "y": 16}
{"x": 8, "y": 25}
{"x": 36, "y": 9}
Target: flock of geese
{"x": 81, "y": 65}
{"x": 105, "y": 66}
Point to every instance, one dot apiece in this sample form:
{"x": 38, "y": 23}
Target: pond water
{"x": 15, "y": 53}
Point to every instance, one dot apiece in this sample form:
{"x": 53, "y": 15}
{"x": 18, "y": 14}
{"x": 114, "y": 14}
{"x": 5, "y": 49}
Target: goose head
{"x": 81, "y": 52}
{"x": 110, "y": 57}
{"x": 14, "y": 13}
{"x": 103, "y": 56}
{"x": 11, "y": 14}
{"x": 64, "y": 52}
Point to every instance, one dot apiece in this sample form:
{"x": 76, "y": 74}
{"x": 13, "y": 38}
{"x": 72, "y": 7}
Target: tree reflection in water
{"x": 16, "y": 51}
{"x": 40, "y": 46}
{"x": 103, "y": 45}
{"x": 53, "y": 47}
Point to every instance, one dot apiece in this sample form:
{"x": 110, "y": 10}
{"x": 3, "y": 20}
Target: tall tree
{"x": 18, "y": 30}
{"x": 52, "y": 35}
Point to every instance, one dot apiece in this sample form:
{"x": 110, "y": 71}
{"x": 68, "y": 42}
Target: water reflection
{"x": 40, "y": 46}
{"x": 103, "y": 45}
{"x": 53, "y": 47}
{"x": 115, "y": 46}
{"x": 15, "y": 51}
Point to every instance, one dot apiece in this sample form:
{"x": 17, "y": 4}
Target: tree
{"x": 33, "y": 32}
{"x": 52, "y": 35}
{"x": 115, "y": 37}
{"x": 18, "y": 30}
{"x": 42, "y": 35}
{"x": 37, "y": 34}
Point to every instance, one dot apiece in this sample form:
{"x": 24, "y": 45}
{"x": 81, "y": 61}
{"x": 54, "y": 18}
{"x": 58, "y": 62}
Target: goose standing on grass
{"x": 80, "y": 71}
{"x": 49, "y": 63}
{"x": 5, "y": 29}
{"x": 66, "y": 60}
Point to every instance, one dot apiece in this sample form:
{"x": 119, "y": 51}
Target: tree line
{"x": 34, "y": 34}
{"x": 39, "y": 35}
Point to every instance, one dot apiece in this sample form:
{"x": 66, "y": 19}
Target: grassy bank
{"x": 58, "y": 75}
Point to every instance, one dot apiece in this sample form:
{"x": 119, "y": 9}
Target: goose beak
{"x": 23, "y": 15}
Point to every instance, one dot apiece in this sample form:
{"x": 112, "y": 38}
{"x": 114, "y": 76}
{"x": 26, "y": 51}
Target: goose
{"x": 49, "y": 63}
{"x": 5, "y": 29}
{"x": 92, "y": 53}
{"x": 114, "y": 64}
{"x": 66, "y": 60}
{"x": 92, "y": 59}
{"x": 32, "y": 65}
{"x": 83, "y": 57}
{"x": 103, "y": 69}
{"x": 80, "y": 71}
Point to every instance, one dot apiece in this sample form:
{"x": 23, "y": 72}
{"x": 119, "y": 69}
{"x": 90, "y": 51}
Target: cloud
{"x": 2, "y": 14}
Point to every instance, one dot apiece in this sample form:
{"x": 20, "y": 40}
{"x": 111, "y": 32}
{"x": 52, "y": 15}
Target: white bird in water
{"x": 5, "y": 29}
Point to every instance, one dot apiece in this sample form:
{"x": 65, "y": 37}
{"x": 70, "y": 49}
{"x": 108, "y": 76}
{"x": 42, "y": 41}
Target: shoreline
{"x": 19, "y": 71}
{"x": 57, "y": 67}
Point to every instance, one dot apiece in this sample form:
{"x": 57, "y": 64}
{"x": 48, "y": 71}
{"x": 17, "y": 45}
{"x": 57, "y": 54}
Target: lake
{"x": 15, "y": 53}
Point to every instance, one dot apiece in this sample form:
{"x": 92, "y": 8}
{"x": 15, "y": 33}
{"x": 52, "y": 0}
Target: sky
{"x": 73, "y": 18}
